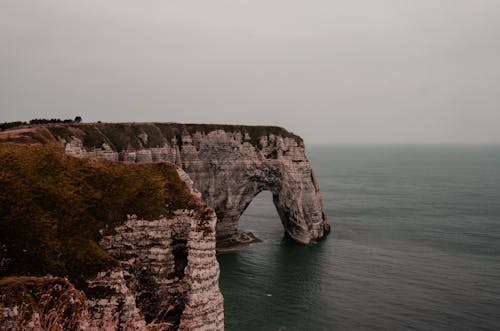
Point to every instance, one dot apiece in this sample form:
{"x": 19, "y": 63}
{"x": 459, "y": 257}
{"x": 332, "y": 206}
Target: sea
{"x": 415, "y": 245}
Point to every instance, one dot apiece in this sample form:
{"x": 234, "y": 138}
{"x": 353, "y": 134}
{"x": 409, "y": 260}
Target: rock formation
{"x": 154, "y": 272}
{"x": 229, "y": 165}
{"x": 136, "y": 239}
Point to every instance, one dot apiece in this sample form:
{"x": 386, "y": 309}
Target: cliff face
{"x": 230, "y": 172}
{"x": 154, "y": 269}
{"x": 229, "y": 165}
{"x": 168, "y": 276}
{"x": 137, "y": 242}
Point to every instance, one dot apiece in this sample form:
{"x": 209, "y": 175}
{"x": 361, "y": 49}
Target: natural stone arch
{"x": 230, "y": 173}
{"x": 262, "y": 217}
{"x": 229, "y": 165}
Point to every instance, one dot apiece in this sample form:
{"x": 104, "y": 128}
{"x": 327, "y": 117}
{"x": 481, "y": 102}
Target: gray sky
{"x": 355, "y": 71}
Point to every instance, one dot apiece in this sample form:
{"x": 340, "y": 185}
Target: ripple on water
{"x": 415, "y": 245}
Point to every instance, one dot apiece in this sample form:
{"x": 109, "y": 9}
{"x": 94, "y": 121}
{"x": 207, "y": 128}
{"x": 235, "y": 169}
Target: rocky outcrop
{"x": 230, "y": 172}
{"x": 168, "y": 280}
{"x": 229, "y": 165}
{"x": 156, "y": 272}
{"x": 168, "y": 277}
{"x": 153, "y": 268}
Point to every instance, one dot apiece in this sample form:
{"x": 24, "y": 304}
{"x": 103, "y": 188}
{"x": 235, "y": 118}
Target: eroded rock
{"x": 230, "y": 167}
{"x": 124, "y": 272}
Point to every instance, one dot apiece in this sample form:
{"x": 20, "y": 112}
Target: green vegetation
{"x": 27, "y": 135}
{"x": 10, "y": 125}
{"x": 123, "y": 136}
{"x": 90, "y": 135}
{"x": 57, "y": 304}
{"x": 171, "y": 130}
{"x": 23, "y": 289}
{"x": 78, "y": 119}
{"x": 120, "y": 135}
{"x": 52, "y": 207}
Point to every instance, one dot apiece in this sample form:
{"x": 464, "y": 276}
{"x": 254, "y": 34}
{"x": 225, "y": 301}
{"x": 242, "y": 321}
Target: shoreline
{"x": 233, "y": 244}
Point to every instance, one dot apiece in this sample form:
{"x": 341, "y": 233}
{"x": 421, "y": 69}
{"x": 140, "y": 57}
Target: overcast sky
{"x": 356, "y": 71}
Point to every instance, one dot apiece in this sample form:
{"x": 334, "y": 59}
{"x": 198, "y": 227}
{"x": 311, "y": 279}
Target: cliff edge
{"x": 229, "y": 165}
{"x": 93, "y": 244}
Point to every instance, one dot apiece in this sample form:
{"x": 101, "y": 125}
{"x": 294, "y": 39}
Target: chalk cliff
{"x": 116, "y": 238}
{"x": 228, "y": 164}
{"x": 136, "y": 242}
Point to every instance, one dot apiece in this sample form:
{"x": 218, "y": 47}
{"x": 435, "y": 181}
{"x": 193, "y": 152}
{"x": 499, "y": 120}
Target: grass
{"x": 123, "y": 136}
{"x": 53, "y": 207}
{"x": 53, "y": 304}
{"x": 43, "y": 303}
{"x": 171, "y": 130}
{"x": 25, "y": 289}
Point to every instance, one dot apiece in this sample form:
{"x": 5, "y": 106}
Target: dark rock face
{"x": 228, "y": 166}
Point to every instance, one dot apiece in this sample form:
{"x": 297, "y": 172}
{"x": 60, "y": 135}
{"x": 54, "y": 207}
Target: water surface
{"x": 415, "y": 245}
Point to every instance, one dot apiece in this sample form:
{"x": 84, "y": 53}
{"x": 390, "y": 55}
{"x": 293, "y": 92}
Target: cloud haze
{"x": 355, "y": 71}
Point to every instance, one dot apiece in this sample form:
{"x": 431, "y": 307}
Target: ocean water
{"x": 415, "y": 246}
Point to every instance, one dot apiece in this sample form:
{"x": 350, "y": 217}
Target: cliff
{"x": 100, "y": 245}
{"x": 228, "y": 164}
{"x": 121, "y": 232}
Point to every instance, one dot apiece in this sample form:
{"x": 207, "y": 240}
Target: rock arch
{"x": 230, "y": 173}
{"x": 229, "y": 165}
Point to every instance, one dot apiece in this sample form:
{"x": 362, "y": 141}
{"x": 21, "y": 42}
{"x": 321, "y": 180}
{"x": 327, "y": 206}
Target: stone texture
{"x": 167, "y": 279}
{"x": 231, "y": 172}
{"x": 113, "y": 304}
{"x": 170, "y": 268}
{"x": 230, "y": 169}
{"x": 156, "y": 288}
{"x": 168, "y": 274}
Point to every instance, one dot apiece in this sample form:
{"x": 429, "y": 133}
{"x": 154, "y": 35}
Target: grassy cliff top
{"x": 53, "y": 207}
{"x": 59, "y": 306}
{"x": 122, "y": 136}
{"x": 23, "y": 289}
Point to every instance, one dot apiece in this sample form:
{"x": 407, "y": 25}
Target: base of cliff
{"x": 236, "y": 242}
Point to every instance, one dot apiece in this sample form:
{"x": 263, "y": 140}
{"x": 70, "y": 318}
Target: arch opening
{"x": 259, "y": 221}
{"x": 262, "y": 218}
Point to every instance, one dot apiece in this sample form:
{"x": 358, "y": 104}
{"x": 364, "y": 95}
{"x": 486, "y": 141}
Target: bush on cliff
{"x": 55, "y": 208}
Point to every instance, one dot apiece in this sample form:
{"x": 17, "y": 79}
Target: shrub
{"x": 52, "y": 207}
